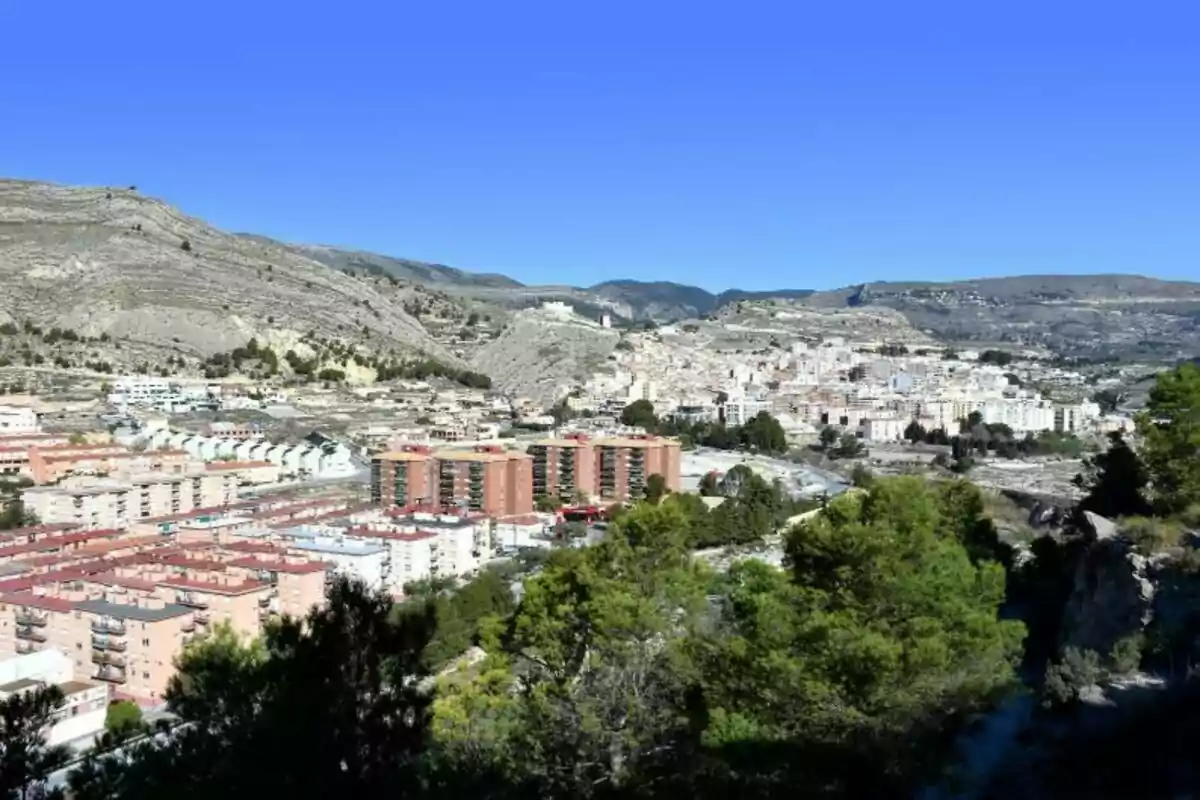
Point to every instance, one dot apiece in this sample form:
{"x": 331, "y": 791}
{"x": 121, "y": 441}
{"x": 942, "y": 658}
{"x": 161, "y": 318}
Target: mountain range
{"x": 115, "y": 262}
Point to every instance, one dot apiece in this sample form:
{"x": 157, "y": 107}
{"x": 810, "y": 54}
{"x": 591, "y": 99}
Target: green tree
{"x": 123, "y": 719}
{"x": 1170, "y": 427}
{"x": 861, "y": 476}
{"x": 710, "y": 484}
{"x": 849, "y": 446}
{"x": 639, "y": 414}
{"x": 328, "y": 706}
{"x": 656, "y": 488}
{"x": 828, "y": 436}
{"x": 25, "y": 759}
{"x": 847, "y": 663}
{"x": 1115, "y": 481}
{"x": 545, "y": 504}
{"x": 763, "y": 433}
{"x": 914, "y": 432}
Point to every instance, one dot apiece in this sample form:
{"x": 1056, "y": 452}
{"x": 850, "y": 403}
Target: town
{"x": 166, "y": 508}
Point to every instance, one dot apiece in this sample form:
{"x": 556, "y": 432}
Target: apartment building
{"x": 18, "y": 420}
{"x": 296, "y": 586}
{"x": 48, "y": 464}
{"x": 84, "y": 705}
{"x": 132, "y": 647}
{"x": 563, "y": 468}
{"x": 116, "y": 504}
{"x": 100, "y": 505}
{"x": 403, "y": 477}
{"x": 623, "y": 464}
{"x": 486, "y": 480}
{"x": 368, "y": 562}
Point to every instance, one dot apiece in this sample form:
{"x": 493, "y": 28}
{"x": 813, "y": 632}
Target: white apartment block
{"x": 369, "y": 562}
{"x": 85, "y": 704}
{"x": 739, "y": 411}
{"x": 18, "y": 419}
{"x": 883, "y": 428}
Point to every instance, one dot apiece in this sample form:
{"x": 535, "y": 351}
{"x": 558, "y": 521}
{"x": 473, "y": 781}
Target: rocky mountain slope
{"x": 539, "y": 352}
{"x": 1083, "y": 315}
{"x": 117, "y": 264}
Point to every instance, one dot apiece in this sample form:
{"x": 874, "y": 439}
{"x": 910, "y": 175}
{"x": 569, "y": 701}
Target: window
{"x": 79, "y": 645}
{"x": 145, "y": 642}
{"x": 145, "y": 676}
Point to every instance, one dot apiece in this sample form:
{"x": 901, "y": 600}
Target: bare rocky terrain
{"x": 1097, "y": 316}
{"x": 538, "y": 353}
{"x": 114, "y": 263}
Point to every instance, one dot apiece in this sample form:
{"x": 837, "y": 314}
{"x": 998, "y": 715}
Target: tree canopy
{"x": 1170, "y": 427}
{"x": 628, "y": 669}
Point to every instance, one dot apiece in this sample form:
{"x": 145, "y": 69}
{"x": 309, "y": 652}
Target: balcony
{"x": 24, "y": 648}
{"x": 202, "y": 617}
{"x": 31, "y": 634}
{"x": 114, "y": 627}
{"x": 31, "y": 618}
{"x": 105, "y": 643}
{"x": 190, "y": 600}
{"x": 110, "y": 674}
{"x": 105, "y": 657}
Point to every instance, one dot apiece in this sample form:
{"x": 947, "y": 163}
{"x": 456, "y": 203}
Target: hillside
{"x": 1082, "y": 315}
{"x": 113, "y": 263}
{"x": 539, "y": 352}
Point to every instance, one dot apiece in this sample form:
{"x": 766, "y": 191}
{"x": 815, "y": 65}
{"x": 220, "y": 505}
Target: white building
{"x": 140, "y": 390}
{"x": 883, "y": 428}
{"x": 514, "y": 533}
{"x": 85, "y": 706}
{"x": 18, "y": 419}
{"x": 740, "y": 410}
{"x": 368, "y": 562}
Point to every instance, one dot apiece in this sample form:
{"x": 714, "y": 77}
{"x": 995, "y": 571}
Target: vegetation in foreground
{"x": 627, "y": 670}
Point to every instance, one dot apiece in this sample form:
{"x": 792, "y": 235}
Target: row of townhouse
{"x": 304, "y": 458}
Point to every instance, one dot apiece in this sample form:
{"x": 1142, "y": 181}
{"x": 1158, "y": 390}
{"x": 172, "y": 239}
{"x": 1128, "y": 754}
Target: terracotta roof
{"x": 220, "y": 465}
{"x": 113, "y": 579}
{"x": 37, "y": 601}
{"x": 251, "y": 547}
{"x": 215, "y": 587}
{"x": 280, "y": 566}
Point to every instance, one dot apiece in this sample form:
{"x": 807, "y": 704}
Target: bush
{"x": 1149, "y": 535}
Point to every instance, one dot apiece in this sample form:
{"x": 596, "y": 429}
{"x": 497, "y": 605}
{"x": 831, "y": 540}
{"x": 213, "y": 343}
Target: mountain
{"x": 115, "y": 263}
{"x": 142, "y": 282}
{"x": 402, "y": 268}
{"x": 665, "y": 301}
{"x": 1099, "y": 316}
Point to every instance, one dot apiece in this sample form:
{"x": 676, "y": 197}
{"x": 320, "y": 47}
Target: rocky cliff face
{"x": 112, "y": 261}
{"x": 1113, "y": 593}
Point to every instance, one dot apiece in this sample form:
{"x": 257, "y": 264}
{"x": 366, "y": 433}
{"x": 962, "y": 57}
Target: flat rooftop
{"x": 136, "y": 613}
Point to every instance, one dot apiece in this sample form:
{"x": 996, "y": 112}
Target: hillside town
{"x": 147, "y": 513}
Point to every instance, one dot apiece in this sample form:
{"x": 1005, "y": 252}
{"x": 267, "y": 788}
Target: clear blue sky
{"x": 746, "y": 144}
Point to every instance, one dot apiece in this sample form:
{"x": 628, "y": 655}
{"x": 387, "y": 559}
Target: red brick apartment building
{"x": 611, "y": 469}
{"x": 564, "y": 467}
{"x": 623, "y": 464}
{"x": 487, "y": 479}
